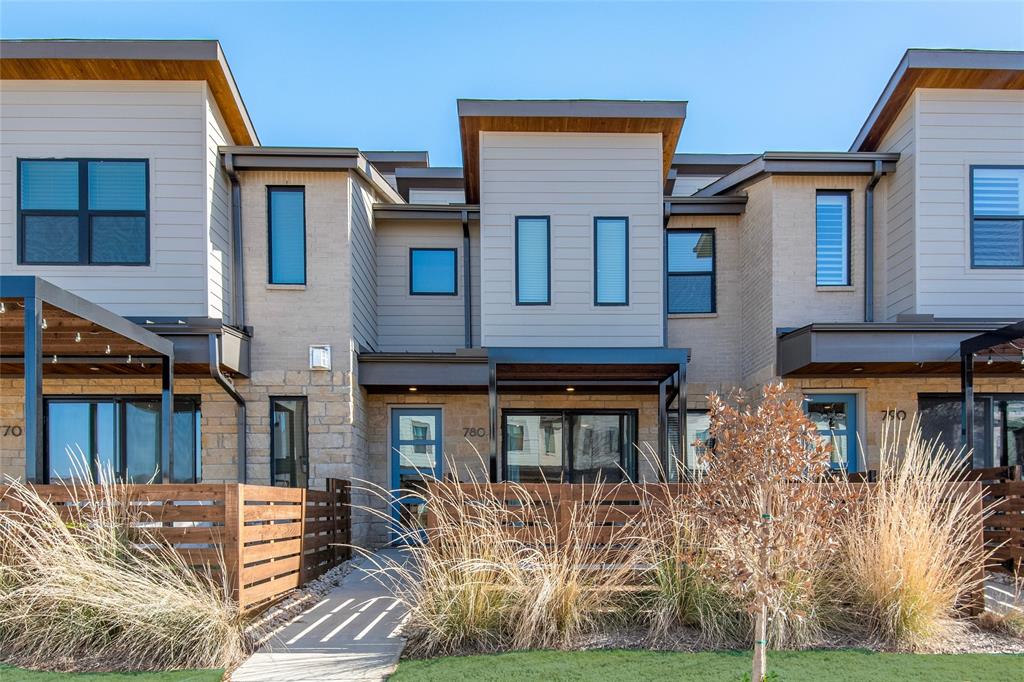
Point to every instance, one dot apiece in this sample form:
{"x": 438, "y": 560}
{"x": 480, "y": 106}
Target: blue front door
{"x": 416, "y": 456}
{"x": 835, "y": 416}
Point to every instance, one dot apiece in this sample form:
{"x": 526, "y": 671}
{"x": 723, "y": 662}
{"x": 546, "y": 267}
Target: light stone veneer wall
{"x": 218, "y": 423}
{"x": 468, "y": 457}
{"x": 287, "y": 319}
{"x": 877, "y": 395}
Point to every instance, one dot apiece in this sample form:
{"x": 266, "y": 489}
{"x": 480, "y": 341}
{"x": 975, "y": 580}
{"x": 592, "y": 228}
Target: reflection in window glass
{"x": 697, "y": 424}
{"x": 1014, "y": 427}
{"x": 941, "y": 420}
{"x": 289, "y": 457}
{"x": 691, "y": 265}
{"x": 432, "y": 271}
{"x": 536, "y": 454}
{"x": 597, "y": 448}
{"x": 142, "y": 441}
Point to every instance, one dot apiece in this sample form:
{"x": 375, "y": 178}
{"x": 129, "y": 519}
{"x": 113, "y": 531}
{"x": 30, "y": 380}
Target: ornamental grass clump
{"x": 494, "y": 575}
{"x": 84, "y": 587}
{"x": 911, "y": 559}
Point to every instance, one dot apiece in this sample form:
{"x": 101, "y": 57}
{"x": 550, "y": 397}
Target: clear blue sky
{"x": 766, "y": 76}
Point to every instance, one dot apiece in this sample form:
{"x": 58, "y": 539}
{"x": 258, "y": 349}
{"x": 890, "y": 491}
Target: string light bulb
{"x": 78, "y": 337}
{"x": 3, "y": 308}
{"x": 54, "y": 361}
{"x": 108, "y": 349}
{"x": 989, "y": 362}
{"x": 44, "y": 323}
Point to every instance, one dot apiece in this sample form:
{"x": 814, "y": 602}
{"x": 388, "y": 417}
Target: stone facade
{"x": 218, "y": 424}
{"x": 877, "y": 396}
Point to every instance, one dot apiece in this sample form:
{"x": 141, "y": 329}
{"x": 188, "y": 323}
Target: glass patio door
{"x": 568, "y": 446}
{"x": 416, "y": 456}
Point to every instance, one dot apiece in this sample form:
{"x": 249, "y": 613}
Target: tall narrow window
{"x": 611, "y": 261}
{"x": 997, "y": 217}
{"x": 691, "y": 271}
{"x": 533, "y": 261}
{"x": 83, "y": 212}
{"x": 432, "y": 272}
{"x": 289, "y": 455}
{"x": 287, "y": 227}
{"x": 832, "y": 239}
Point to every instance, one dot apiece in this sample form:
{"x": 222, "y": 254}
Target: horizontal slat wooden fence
{"x": 270, "y": 540}
{"x": 1004, "y": 528}
{"x": 598, "y": 514}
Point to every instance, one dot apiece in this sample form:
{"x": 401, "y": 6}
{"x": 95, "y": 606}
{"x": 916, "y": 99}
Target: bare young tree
{"x": 769, "y": 511}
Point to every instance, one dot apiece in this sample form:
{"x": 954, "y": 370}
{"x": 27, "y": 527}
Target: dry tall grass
{"x": 911, "y": 556}
{"x": 92, "y": 590}
{"x": 495, "y": 575}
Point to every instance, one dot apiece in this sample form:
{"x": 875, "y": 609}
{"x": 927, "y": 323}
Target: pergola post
{"x": 33, "y": 408}
{"x": 681, "y": 406}
{"x": 663, "y": 454}
{"x": 166, "y": 418}
{"x": 967, "y": 404}
{"x": 492, "y": 396}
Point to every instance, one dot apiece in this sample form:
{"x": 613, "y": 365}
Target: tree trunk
{"x": 760, "y": 642}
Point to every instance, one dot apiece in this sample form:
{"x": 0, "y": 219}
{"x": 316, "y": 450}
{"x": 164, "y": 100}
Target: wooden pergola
{"x": 1003, "y": 343}
{"x": 45, "y": 329}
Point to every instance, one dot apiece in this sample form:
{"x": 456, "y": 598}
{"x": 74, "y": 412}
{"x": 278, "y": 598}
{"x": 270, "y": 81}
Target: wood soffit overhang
{"x": 951, "y": 69}
{"x": 133, "y": 60}
{"x": 568, "y": 116}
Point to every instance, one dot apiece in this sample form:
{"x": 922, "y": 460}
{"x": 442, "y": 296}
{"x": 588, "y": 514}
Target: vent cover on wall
{"x": 320, "y": 357}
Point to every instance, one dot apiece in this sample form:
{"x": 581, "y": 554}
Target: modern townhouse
{"x": 182, "y": 302}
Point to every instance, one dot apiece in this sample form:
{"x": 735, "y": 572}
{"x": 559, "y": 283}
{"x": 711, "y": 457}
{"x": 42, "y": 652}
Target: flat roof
{"x": 922, "y": 68}
{"x": 308, "y": 159}
{"x": 435, "y": 177}
{"x": 709, "y": 164}
{"x": 179, "y": 60}
{"x": 389, "y": 161}
{"x": 801, "y": 163}
{"x": 564, "y": 116}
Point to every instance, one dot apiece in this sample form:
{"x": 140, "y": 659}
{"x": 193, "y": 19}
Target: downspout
{"x": 664, "y": 274}
{"x": 869, "y": 244}
{"x": 229, "y": 388}
{"x": 237, "y": 264}
{"x": 467, "y": 280}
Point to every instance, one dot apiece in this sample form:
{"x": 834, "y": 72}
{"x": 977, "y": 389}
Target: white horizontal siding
{"x": 572, "y": 178}
{"x": 364, "y": 265}
{"x": 164, "y": 122}
{"x": 955, "y": 130}
{"x": 437, "y": 196}
{"x": 417, "y": 323}
{"x": 218, "y": 188}
{"x": 901, "y": 206}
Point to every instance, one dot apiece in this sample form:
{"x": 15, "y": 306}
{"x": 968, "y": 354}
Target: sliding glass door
{"x": 569, "y": 446}
{"x": 998, "y": 426}
{"x": 86, "y": 436}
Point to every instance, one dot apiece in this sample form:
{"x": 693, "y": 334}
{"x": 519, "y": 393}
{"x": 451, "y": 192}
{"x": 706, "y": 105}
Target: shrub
{"x": 494, "y": 576}
{"x": 89, "y": 589}
{"x": 910, "y": 558}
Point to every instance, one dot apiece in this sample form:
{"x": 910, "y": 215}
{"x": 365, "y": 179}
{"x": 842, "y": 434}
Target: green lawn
{"x": 9, "y": 674}
{"x": 635, "y": 666}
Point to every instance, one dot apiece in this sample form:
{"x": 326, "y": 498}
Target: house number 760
{"x": 898, "y": 415}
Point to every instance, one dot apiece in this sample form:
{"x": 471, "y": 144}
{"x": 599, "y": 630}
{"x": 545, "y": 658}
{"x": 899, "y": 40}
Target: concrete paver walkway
{"x": 350, "y": 634}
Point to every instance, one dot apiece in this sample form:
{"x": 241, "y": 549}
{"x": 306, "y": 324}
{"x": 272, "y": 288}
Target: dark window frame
{"x": 989, "y": 399}
{"x": 271, "y": 189}
{"x": 693, "y": 273}
{"x": 455, "y": 271}
{"x": 547, "y": 220}
{"x": 625, "y": 257}
{"x": 84, "y": 214}
{"x": 848, "y": 194}
{"x": 120, "y": 403}
{"x": 632, "y": 465}
{"x": 973, "y": 218}
{"x": 271, "y": 400}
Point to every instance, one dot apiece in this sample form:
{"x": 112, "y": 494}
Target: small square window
{"x": 50, "y": 239}
{"x": 432, "y": 272}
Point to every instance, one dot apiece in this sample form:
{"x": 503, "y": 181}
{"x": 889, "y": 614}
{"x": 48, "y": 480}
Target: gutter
{"x": 229, "y": 388}
{"x": 869, "y": 243}
{"x": 237, "y": 265}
